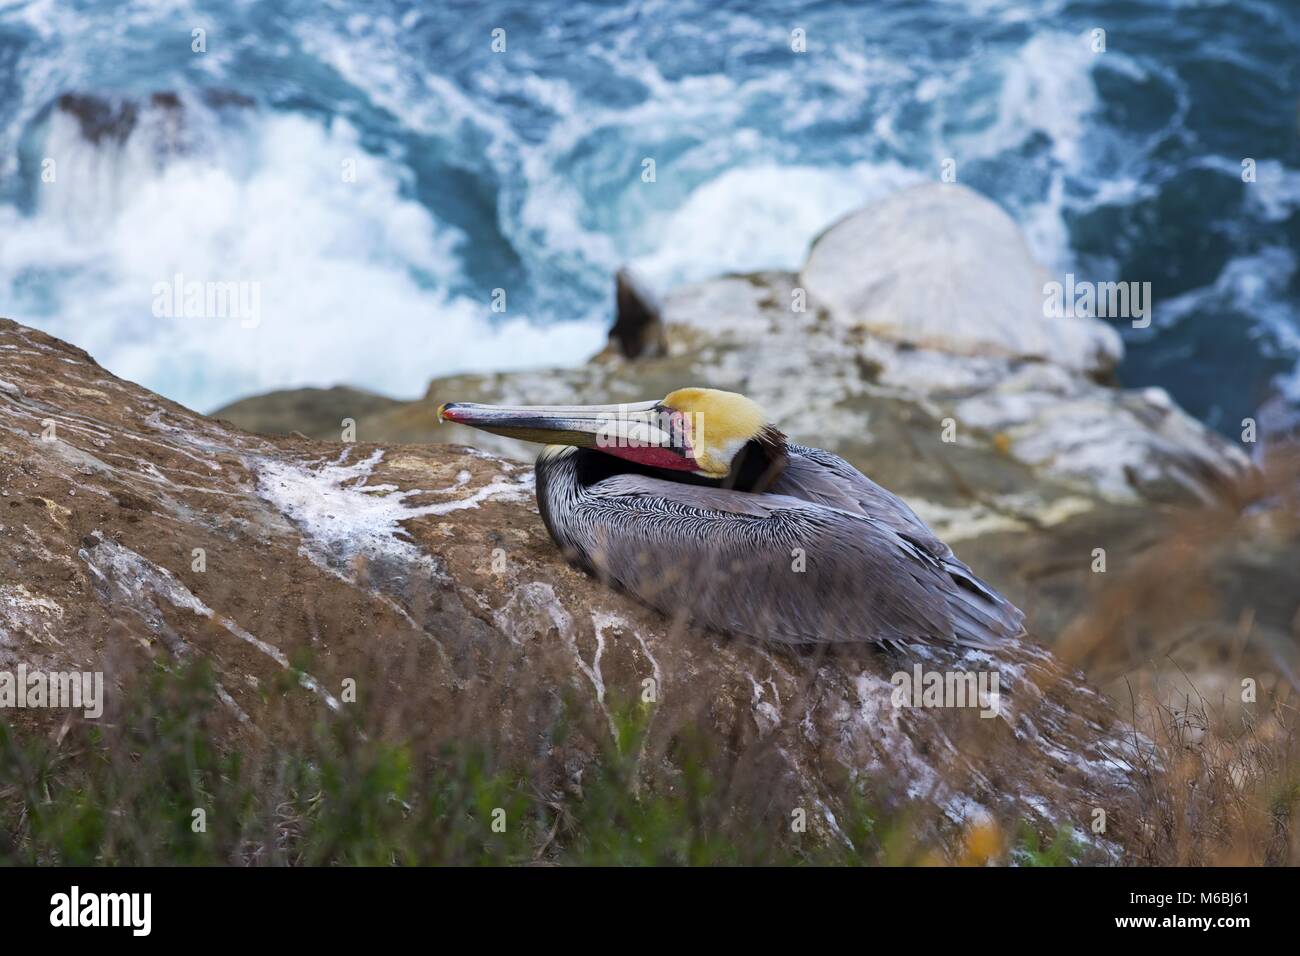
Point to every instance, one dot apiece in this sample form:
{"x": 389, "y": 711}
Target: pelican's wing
{"x": 818, "y": 476}
{"x": 777, "y": 567}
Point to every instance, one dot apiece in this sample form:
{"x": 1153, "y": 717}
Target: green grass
{"x": 124, "y": 790}
{"x": 1063, "y": 849}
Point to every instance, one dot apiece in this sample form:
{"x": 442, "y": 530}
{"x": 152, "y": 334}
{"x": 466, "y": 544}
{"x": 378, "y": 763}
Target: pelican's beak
{"x": 585, "y": 426}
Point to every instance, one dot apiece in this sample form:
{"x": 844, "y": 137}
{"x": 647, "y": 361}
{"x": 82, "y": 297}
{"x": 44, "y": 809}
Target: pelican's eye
{"x": 677, "y": 427}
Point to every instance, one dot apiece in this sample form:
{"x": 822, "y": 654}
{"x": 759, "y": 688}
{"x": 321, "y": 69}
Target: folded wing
{"x": 821, "y": 558}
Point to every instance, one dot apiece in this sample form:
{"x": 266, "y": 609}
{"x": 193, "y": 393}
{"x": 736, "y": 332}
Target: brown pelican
{"x": 701, "y": 508}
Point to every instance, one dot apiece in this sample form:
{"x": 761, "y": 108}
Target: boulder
{"x": 638, "y": 329}
{"x": 938, "y": 266}
{"x": 312, "y": 412}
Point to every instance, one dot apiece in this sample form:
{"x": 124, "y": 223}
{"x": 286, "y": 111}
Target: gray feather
{"x": 826, "y": 555}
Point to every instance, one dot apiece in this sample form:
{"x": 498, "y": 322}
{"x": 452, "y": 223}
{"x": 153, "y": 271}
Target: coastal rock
{"x": 901, "y": 332}
{"x": 428, "y": 569}
{"x": 638, "y": 329}
{"x": 938, "y": 266}
{"x": 312, "y": 412}
{"x": 156, "y": 124}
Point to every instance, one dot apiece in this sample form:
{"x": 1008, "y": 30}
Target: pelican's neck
{"x": 759, "y": 463}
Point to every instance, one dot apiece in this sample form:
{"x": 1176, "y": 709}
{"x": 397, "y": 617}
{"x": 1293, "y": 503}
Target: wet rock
{"x": 93, "y": 129}
{"x": 99, "y": 118}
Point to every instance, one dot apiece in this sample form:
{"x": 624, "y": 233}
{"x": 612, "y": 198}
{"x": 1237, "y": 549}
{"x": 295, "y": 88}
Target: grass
{"x": 1221, "y": 786}
{"x": 125, "y": 790}
{"x": 367, "y": 786}
{"x": 1220, "y": 781}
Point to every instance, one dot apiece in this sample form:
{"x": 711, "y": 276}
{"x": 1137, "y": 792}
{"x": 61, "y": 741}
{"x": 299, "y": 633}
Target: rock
{"x": 941, "y": 267}
{"x": 93, "y": 131}
{"x": 99, "y": 118}
{"x": 313, "y": 412}
{"x": 361, "y": 559}
{"x": 638, "y": 330}
{"x": 844, "y": 389}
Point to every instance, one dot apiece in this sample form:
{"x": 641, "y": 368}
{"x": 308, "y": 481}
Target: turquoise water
{"x": 521, "y": 170}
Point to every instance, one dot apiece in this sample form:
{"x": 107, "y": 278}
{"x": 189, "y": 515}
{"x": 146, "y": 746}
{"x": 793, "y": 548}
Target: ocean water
{"x": 477, "y": 170}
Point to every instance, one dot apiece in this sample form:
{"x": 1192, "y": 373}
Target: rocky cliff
{"x": 129, "y": 522}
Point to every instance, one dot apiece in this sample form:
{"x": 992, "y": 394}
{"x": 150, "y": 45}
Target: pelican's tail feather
{"x": 981, "y": 617}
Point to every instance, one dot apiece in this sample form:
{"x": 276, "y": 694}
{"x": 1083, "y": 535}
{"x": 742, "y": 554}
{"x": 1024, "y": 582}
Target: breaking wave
{"x": 524, "y": 170}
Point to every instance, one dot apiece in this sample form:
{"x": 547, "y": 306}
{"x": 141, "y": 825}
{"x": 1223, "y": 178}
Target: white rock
{"x": 941, "y": 267}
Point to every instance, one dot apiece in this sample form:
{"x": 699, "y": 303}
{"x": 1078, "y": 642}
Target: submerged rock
{"x": 101, "y": 138}
{"x": 99, "y": 118}
{"x": 130, "y": 524}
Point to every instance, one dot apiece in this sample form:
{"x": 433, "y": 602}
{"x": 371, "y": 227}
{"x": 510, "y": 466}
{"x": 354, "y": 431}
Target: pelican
{"x": 702, "y": 509}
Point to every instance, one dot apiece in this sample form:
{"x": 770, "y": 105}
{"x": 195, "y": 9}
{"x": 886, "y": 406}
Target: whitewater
{"x": 387, "y": 179}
